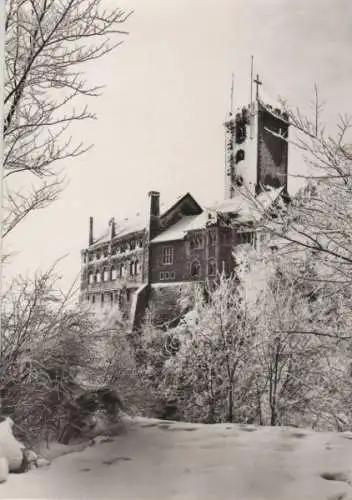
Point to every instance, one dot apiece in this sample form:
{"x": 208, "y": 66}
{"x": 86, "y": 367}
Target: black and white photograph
{"x": 176, "y": 249}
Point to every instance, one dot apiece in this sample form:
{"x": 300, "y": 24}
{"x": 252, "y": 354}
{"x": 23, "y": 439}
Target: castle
{"x": 189, "y": 242}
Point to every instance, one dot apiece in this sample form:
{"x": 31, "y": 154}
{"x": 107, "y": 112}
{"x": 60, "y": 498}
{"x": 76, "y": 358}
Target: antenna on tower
{"x": 231, "y": 95}
{"x": 251, "y": 105}
{"x": 251, "y": 101}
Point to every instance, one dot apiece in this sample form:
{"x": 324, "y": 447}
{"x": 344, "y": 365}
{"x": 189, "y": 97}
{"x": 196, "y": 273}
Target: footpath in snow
{"x": 159, "y": 460}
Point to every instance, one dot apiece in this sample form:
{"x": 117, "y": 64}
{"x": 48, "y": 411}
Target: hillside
{"x": 162, "y": 460}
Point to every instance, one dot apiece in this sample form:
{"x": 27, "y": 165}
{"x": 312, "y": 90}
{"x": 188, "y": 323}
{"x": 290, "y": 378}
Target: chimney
{"x": 154, "y": 203}
{"x": 154, "y": 213}
{"x": 90, "y": 231}
{"x": 112, "y": 225}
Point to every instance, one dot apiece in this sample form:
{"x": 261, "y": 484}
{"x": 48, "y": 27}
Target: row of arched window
{"x": 196, "y": 268}
{"x": 114, "y": 272}
{"x": 121, "y": 248}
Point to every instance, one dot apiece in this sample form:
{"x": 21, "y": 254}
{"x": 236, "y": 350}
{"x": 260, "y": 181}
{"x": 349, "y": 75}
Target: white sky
{"x": 167, "y": 91}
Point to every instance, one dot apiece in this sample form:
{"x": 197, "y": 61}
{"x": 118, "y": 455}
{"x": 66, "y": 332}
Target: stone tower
{"x": 255, "y": 148}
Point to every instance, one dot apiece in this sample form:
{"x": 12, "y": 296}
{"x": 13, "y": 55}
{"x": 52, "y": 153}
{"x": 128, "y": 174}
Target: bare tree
{"x": 48, "y": 44}
{"x": 317, "y": 221}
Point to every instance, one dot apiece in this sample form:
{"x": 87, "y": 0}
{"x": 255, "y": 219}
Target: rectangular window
{"x": 167, "y": 255}
{"x": 245, "y": 238}
{"x": 167, "y": 275}
{"x": 212, "y": 238}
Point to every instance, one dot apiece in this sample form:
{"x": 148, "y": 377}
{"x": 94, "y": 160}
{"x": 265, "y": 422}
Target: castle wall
{"x": 195, "y": 252}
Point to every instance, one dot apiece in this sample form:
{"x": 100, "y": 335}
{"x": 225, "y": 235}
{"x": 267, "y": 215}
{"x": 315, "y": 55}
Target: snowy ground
{"x": 165, "y": 460}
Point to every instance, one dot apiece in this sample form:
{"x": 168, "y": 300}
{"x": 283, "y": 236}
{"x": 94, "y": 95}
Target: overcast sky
{"x": 167, "y": 92}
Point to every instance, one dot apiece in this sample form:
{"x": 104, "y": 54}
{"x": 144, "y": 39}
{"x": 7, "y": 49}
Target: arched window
{"x": 98, "y": 277}
{"x": 105, "y": 275}
{"x": 90, "y": 278}
{"x": 211, "y": 267}
{"x": 195, "y": 269}
{"x": 122, "y": 270}
{"x": 239, "y": 155}
{"x": 113, "y": 273}
{"x": 136, "y": 267}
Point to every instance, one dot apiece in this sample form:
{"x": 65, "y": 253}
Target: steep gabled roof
{"x": 179, "y": 230}
{"x": 189, "y": 205}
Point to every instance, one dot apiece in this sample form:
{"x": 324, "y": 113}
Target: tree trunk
{"x": 230, "y": 405}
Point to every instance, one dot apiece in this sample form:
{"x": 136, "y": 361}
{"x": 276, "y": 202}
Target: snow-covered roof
{"x": 123, "y": 228}
{"x": 187, "y": 223}
{"x": 246, "y": 207}
{"x": 243, "y": 206}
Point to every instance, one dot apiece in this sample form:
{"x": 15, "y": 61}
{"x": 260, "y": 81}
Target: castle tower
{"x": 256, "y": 152}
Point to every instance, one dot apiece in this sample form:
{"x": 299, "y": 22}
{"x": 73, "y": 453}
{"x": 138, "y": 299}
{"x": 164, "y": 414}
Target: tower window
{"x": 240, "y": 129}
{"x": 240, "y": 155}
{"x": 167, "y": 255}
